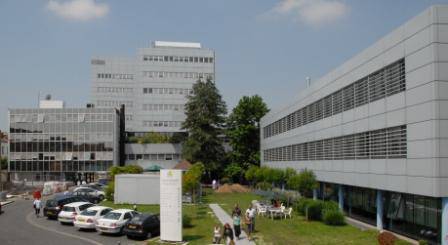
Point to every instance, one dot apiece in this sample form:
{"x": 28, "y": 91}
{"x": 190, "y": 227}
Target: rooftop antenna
{"x": 308, "y": 81}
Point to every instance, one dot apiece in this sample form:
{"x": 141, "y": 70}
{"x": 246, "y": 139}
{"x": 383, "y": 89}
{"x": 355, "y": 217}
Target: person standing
{"x": 37, "y": 206}
{"x": 237, "y": 226}
{"x": 248, "y": 223}
{"x": 228, "y": 234}
{"x": 216, "y": 235}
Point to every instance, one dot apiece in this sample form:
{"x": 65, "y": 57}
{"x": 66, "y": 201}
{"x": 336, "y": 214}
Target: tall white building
{"x": 375, "y": 131}
{"x": 154, "y": 87}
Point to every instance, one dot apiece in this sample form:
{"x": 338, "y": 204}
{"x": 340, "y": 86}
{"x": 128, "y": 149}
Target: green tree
{"x": 251, "y": 174}
{"x": 234, "y": 172}
{"x": 244, "y": 130}
{"x": 3, "y": 163}
{"x": 192, "y": 179}
{"x": 205, "y": 117}
{"x": 304, "y": 182}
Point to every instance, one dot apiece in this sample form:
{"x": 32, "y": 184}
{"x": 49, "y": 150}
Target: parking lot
{"x": 19, "y": 225}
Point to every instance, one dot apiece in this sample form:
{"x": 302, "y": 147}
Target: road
{"x": 19, "y": 225}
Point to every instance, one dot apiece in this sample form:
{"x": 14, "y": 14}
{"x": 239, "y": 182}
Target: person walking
{"x": 228, "y": 234}
{"x": 248, "y": 223}
{"x": 217, "y": 234}
{"x": 237, "y": 225}
{"x": 250, "y": 213}
{"x": 236, "y": 210}
{"x": 37, "y": 206}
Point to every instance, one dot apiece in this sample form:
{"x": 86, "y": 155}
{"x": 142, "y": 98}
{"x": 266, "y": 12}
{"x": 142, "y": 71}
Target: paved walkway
{"x": 225, "y": 218}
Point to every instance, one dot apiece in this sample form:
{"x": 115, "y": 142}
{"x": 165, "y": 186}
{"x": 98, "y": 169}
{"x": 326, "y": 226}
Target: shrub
{"x": 330, "y": 206}
{"x": 110, "y": 189}
{"x": 422, "y": 242}
{"x": 314, "y": 210}
{"x": 224, "y": 180}
{"x": 386, "y": 238}
{"x": 402, "y": 242}
{"x": 301, "y": 204}
{"x": 333, "y": 217}
{"x": 264, "y": 185}
{"x": 186, "y": 221}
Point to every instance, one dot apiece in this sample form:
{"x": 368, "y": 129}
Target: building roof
{"x": 183, "y": 165}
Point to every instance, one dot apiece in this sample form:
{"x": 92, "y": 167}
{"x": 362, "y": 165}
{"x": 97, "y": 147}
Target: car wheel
{"x": 101, "y": 197}
{"x": 130, "y": 237}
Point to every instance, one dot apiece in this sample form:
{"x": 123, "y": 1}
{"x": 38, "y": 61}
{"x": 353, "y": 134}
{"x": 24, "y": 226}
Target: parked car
{"x": 71, "y": 210}
{"x": 54, "y": 206}
{"x": 115, "y": 221}
{"x": 89, "y": 191}
{"x": 95, "y": 186}
{"x": 1, "y": 208}
{"x": 143, "y": 226}
{"x": 88, "y": 218}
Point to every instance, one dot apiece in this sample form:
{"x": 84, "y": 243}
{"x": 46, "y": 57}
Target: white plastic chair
{"x": 288, "y": 213}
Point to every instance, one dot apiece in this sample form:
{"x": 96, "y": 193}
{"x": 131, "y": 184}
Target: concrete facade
{"x": 419, "y": 109}
{"x": 148, "y": 155}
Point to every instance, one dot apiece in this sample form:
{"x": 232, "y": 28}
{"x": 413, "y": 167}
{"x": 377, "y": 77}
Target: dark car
{"x": 143, "y": 226}
{"x": 54, "y": 206}
{"x": 89, "y": 194}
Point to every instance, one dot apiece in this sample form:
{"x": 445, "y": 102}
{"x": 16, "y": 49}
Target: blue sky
{"x": 264, "y": 47}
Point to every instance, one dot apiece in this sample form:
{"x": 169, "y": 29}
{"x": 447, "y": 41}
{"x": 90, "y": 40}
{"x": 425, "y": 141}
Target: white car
{"x": 88, "y": 218}
{"x": 69, "y": 211}
{"x": 89, "y": 191}
{"x": 114, "y": 221}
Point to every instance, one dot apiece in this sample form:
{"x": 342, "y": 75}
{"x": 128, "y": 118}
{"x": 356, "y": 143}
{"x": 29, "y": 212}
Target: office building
{"x": 154, "y": 87}
{"x": 66, "y": 144}
{"x": 375, "y": 131}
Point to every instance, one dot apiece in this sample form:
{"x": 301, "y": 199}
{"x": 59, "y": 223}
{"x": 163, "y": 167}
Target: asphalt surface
{"x": 19, "y": 225}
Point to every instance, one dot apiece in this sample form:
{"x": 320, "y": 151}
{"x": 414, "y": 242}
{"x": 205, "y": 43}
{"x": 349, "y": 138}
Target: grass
{"x": 296, "y": 230}
{"x": 202, "y": 220}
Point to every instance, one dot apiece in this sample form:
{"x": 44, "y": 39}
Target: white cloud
{"x": 78, "y": 10}
{"x": 313, "y": 12}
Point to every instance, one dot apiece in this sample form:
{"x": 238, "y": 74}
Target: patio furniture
{"x": 288, "y": 212}
{"x": 274, "y": 212}
{"x": 262, "y": 210}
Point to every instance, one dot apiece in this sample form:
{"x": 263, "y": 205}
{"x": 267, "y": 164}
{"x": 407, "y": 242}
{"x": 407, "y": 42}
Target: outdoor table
{"x": 273, "y": 211}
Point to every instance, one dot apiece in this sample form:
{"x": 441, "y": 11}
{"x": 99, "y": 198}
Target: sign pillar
{"x": 171, "y": 205}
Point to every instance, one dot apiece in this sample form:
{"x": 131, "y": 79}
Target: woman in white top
{"x": 37, "y": 205}
{"x": 217, "y": 234}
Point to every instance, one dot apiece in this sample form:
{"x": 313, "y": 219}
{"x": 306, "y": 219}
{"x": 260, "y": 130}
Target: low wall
{"x": 137, "y": 189}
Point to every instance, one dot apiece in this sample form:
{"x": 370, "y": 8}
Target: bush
{"x": 386, "y": 238}
{"x": 186, "y": 221}
{"x": 302, "y": 204}
{"x": 402, "y": 242}
{"x": 330, "y": 206}
{"x": 224, "y": 180}
{"x": 110, "y": 189}
{"x": 264, "y": 186}
{"x": 333, "y": 217}
{"x": 422, "y": 242}
{"x": 314, "y": 210}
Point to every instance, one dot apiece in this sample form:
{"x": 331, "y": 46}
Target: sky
{"x": 264, "y": 47}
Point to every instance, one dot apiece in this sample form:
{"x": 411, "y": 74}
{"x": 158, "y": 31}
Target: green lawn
{"x": 296, "y": 230}
{"x": 202, "y": 221}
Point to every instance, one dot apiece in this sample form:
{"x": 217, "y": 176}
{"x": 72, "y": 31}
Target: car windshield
{"x": 68, "y": 209}
{"x": 51, "y": 203}
{"x": 89, "y": 212}
{"x": 112, "y": 215}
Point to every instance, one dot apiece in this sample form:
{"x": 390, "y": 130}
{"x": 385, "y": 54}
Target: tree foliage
{"x": 3, "y": 163}
{"x": 234, "y": 172}
{"x": 304, "y": 182}
{"x": 244, "y": 130}
{"x": 205, "y": 117}
{"x": 192, "y": 179}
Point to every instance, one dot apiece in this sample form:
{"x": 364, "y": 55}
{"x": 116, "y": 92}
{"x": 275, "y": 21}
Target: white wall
{"x": 137, "y": 189}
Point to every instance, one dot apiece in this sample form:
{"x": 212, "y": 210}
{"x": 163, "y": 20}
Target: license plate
{"x": 81, "y": 220}
{"x": 131, "y": 226}
{"x": 49, "y": 212}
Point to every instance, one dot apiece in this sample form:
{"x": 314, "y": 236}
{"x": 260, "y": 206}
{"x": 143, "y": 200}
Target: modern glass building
{"x": 375, "y": 131}
{"x": 63, "y": 143}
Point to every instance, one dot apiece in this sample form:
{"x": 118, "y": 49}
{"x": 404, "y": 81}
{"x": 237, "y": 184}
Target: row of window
{"x": 82, "y": 147}
{"x": 63, "y": 128}
{"x": 377, "y": 144}
{"x": 62, "y": 156}
{"x": 70, "y": 137}
{"x": 185, "y": 59}
{"x": 380, "y": 84}
{"x": 115, "y": 103}
{"x": 172, "y": 74}
{"x": 181, "y": 91}
{"x": 159, "y": 156}
{"x": 170, "y": 124}
{"x": 115, "y": 76}
{"x": 163, "y": 107}
{"x": 60, "y": 117}
{"x": 114, "y": 90}
{"x": 57, "y": 166}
